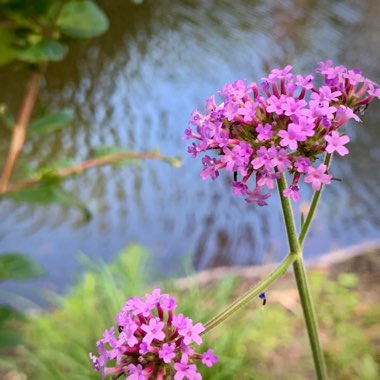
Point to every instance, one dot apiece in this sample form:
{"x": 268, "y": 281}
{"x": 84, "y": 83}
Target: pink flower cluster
{"x": 282, "y": 125}
{"x": 152, "y": 343}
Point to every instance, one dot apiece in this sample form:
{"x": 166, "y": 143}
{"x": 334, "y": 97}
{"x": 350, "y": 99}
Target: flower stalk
{"x": 313, "y": 207}
{"x": 310, "y": 318}
{"x": 295, "y": 258}
{"x": 250, "y": 294}
{"x": 300, "y": 273}
{"x": 260, "y": 132}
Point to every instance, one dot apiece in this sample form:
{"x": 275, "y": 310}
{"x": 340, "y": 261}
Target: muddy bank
{"x": 362, "y": 259}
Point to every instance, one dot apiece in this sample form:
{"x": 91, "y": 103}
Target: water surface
{"x": 136, "y": 87}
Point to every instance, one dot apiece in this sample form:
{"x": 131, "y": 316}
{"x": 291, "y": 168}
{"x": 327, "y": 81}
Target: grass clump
{"x": 258, "y": 343}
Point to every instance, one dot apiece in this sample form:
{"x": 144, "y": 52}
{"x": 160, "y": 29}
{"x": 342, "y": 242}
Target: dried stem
{"x": 92, "y": 163}
{"x": 19, "y": 131}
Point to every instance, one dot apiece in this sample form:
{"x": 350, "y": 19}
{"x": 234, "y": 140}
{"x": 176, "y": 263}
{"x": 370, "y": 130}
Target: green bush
{"x": 258, "y": 343}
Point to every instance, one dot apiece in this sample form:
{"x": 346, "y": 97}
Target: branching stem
{"x": 92, "y": 163}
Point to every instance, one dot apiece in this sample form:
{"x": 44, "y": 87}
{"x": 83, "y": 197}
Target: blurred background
{"x": 136, "y": 86}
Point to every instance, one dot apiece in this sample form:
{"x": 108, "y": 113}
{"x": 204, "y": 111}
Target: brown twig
{"x": 92, "y": 163}
{"x": 19, "y": 131}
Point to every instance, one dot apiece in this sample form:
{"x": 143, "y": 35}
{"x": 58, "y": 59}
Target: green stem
{"x": 250, "y": 294}
{"x": 294, "y": 257}
{"x": 313, "y": 206}
{"x": 300, "y": 275}
{"x": 287, "y": 212}
{"x": 310, "y": 317}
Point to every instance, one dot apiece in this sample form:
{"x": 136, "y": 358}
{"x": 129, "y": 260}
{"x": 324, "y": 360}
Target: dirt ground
{"x": 362, "y": 259}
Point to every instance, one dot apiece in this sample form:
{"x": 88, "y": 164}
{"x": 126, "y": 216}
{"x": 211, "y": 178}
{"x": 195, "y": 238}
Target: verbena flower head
{"x": 283, "y": 124}
{"x": 152, "y": 342}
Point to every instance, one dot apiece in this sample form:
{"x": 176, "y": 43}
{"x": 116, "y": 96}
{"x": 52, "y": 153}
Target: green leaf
{"x": 8, "y": 313}
{"x": 26, "y": 9}
{"x": 348, "y": 280}
{"x": 44, "y": 50}
{"x": 9, "y": 338}
{"x": 82, "y": 19}
{"x": 17, "y": 266}
{"x": 49, "y": 194}
{"x": 6, "y": 117}
{"x": 106, "y": 150}
{"x": 61, "y": 163}
{"x": 51, "y": 123}
{"x": 7, "y": 52}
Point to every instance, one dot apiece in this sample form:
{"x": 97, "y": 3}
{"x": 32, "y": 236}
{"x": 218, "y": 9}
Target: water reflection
{"x": 136, "y": 87}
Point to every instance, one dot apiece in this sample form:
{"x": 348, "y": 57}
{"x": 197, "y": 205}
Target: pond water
{"x": 136, "y": 86}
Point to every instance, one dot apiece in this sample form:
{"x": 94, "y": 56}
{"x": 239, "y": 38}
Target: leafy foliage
{"x": 49, "y": 193}
{"x": 82, "y": 19}
{"x": 36, "y": 31}
{"x": 17, "y": 266}
{"x": 6, "y": 117}
{"x": 250, "y": 345}
{"x": 14, "y": 266}
{"x": 7, "y": 52}
{"x": 105, "y": 150}
{"x": 44, "y": 50}
{"x": 10, "y": 336}
{"x": 51, "y": 123}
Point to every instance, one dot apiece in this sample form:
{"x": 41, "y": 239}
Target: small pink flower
{"x": 281, "y": 125}
{"x": 264, "y": 158}
{"x": 373, "y": 90}
{"x": 210, "y": 168}
{"x": 293, "y": 106}
{"x": 354, "y": 76}
{"x": 325, "y": 93}
{"x": 135, "y": 372}
{"x": 248, "y": 111}
{"x": 151, "y": 346}
{"x": 180, "y": 321}
{"x": 274, "y": 104}
{"x": 293, "y": 192}
{"x": 264, "y": 132}
{"x": 239, "y": 188}
{"x": 187, "y": 371}
{"x": 266, "y": 178}
{"x": 209, "y": 358}
{"x": 127, "y": 335}
{"x": 167, "y": 352}
{"x": 317, "y": 177}
{"x": 343, "y": 114}
{"x": 291, "y": 136}
{"x": 154, "y": 298}
{"x": 191, "y": 333}
{"x": 256, "y": 196}
{"x": 302, "y": 164}
{"x": 153, "y": 330}
{"x": 335, "y": 143}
